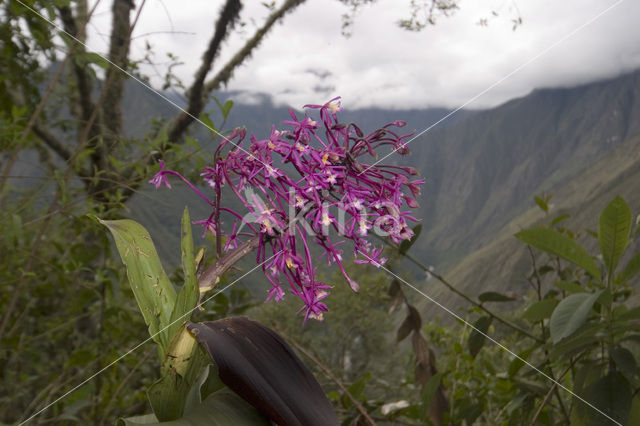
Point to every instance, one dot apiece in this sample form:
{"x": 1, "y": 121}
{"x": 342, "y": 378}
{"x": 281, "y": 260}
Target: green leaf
{"x": 559, "y": 219}
{"x": 612, "y": 395}
{"x": 357, "y": 388}
{"x": 517, "y": 363}
{"x": 406, "y": 244}
{"x": 181, "y": 368}
{"x": 207, "y": 121}
{"x": 570, "y": 314}
{"x": 542, "y": 204}
{"x": 625, "y": 362}
{"x": 94, "y": 58}
{"x": 555, "y": 243}
{"x": 614, "y": 228}
{"x": 224, "y": 109}
{"x": 189, "y": 293}
{"x": 631, "y": 314}
{"x": 634, "y": 412}
{"x": 570, "y": 286}
{"x": 162, "y": 395}
{"x": 540, "y": 310}
{"x": 153, "y": 291}
{"x": 221, "y": 408}
{"x": 492, "y": 296}
{"x": 477, "y": 339}
{"x": 632, "y": 268}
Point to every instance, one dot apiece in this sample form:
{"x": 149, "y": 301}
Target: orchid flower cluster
{"x": 309, "y": 184}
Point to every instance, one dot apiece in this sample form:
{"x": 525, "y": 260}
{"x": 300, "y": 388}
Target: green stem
{"x": 470, "y": 300}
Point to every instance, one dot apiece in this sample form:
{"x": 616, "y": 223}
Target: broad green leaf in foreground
{"x": 614, "y": 228}
{"x": 221, "y": 408}
{"x": 570, "y": 314}
{"x": 153, "y": 291}
{"x": 555, "y": 243}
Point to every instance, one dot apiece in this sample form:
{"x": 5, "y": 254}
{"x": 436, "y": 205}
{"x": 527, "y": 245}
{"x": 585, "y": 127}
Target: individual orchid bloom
{"x": 232, "y": 240}
{"x": 209, "y": 175}
{"x": 373, "y": 257}
{"x": 160, "y": 178}
{"x": 208, "y": 225}
{"x": 276, "y": 293}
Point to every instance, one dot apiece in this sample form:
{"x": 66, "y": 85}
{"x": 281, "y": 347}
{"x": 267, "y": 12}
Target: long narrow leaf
{"x": 614, "y": 228}
{"x": 553, "y": 242}
{"x": 189, "y": 292}
{"x": 258, "y": 365}
{"x": 153, "y": 291}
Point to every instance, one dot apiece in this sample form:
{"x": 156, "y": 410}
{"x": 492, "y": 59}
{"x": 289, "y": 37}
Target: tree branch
{"x": 220, "y": 266}
{"x": 197, "y": 98}
{"x": 223, "y": 76}
{"x": 330, "y": 375}
{"x": 52, "y": 141}
{"x": 467, "y": 298}
{"x": 225, "y": 73}
{"x": 118, "y": 52}
{"x": 83, "y": 79}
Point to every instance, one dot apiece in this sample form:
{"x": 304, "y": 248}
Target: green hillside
{"x": 485, "y": 170}
{"x": 503, "y": 263}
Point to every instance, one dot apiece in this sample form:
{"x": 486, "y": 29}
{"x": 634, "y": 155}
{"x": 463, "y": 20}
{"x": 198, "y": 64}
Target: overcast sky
{"x": 306, "y": 59}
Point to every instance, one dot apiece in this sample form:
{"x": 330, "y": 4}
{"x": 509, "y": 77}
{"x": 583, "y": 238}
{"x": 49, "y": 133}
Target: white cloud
{"x": 383, "y": 65}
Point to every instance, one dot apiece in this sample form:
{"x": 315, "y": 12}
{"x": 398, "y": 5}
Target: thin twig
{"x": 330, "y": 375}
{"x": 553, "y": 387}
{"x": 469, "y": 299}
{"x": 112, "y": 401}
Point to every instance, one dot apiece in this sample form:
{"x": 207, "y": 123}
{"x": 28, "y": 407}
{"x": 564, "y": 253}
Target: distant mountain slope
{"x": 484, "y": 170}
{"x": 504, "y": 262}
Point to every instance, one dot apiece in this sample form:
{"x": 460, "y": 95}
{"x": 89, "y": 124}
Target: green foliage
{"x": 560, "y": 245}
{"x": 570, "y": 314}
{"x": 221, "y": 408}
{"x": 477, "y": 337}
{"x": 189, "y": 293}
{"x": 154, "y": 293}
{"x": 614, "y": 228}
{"x": 589, "y": 328}
{"x": 249, "y": 358}
{"x": 493, "y": 296}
